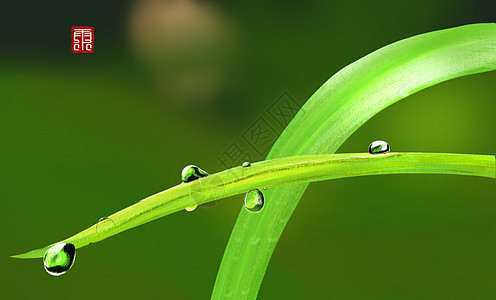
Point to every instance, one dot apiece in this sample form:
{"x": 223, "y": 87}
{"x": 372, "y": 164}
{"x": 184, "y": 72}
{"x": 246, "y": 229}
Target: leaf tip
{"x": 31, "y": 254}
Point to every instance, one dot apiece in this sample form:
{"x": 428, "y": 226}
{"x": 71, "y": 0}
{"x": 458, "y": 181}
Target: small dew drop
{"x": 377, "y": 147}
{"x": 192, "y": 173}
{"x": 246, "y": 164}
{"x": 59, "y": 259}
{"x": 191, "y": 208}
{"x": 254, "y": 200}
{"x": 103, "y": 222}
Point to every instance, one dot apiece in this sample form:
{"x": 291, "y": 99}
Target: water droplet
{"x": 377, "y": 147}
{"x": 246, "y": 164}
{"x": 103, "y": 224}
{"x": 59, "y": 259}
{"x": 254, "y": 200}
{"x": 191, "y": 173}
{"x": 191, "y": 208}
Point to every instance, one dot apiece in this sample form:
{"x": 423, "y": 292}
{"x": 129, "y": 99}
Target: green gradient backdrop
{"x": 86, "y": 135}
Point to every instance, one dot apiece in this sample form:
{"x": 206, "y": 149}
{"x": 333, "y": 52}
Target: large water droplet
{"x": 254, "y": 200}
{"x": 191, "y": 208}
{"x": 246, "y": 164}
{"x": 377, "y": 147}
{"x": 191, "y": 173}
{"x": 59, "y": 259}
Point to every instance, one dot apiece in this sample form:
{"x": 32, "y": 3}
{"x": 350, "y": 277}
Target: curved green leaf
{"x": 345, "y": 102}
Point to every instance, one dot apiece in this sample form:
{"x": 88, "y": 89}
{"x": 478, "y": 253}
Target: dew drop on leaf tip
{"x": 59, "y": 258}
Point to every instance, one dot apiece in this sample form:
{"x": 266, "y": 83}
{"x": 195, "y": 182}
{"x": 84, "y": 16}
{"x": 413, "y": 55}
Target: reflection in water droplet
{"x": 191, "y": 173}
{"x": 246, "y": 164}
{"x": 254, "y": 200}
{"x": 102, "y": 218}
{"x": 59, "y": 259}
{"x": 377, "y": 147}
{"x": 191, "y": 208}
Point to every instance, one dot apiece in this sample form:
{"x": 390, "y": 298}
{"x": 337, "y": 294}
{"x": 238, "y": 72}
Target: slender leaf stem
{"x": 273, "y": 173}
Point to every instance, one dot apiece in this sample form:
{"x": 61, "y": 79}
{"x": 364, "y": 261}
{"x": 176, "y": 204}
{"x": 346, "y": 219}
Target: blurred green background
{"x": 173, "y": 83}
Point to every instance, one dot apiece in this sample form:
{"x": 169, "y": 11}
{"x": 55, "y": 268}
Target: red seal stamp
{"x": 83, "y": 39}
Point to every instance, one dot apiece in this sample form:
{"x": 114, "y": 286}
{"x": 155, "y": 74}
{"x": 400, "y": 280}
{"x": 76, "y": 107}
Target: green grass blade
{"x": 272, "y": 173}
{"x": 345, "y": 102}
